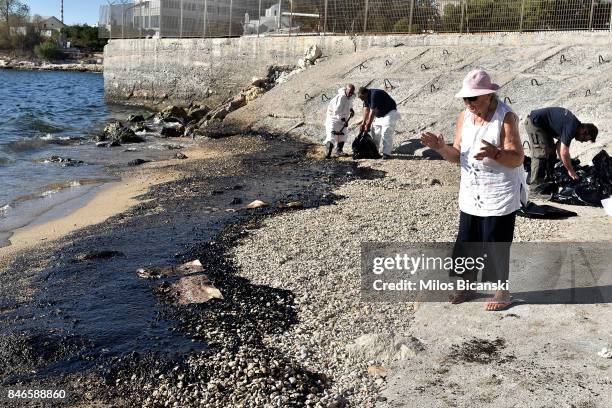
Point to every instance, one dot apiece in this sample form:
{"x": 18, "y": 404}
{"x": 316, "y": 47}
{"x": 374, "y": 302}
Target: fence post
{"x": 411, "y": 16}
{"x": 230, "y": 17}
{"x": 205, "y": 18}
{"x": 181, "y": 20}
{"x": 522, "y": 16}
{"x": 150, "y": 22}
{"x": 141, "y": 19}
{"x": 325, "y": 19}
{"x": 280, "y": 9}
{"x": 161, "y": 15}
{"x": 290, "y": 16}
{"x": 123, "y": 20}
{"x": 591, "y": 15}
{"x": 259, "y": 18}
{"x": 610, "y": 18}
{"x": 365, "y": 16}
{"x": 462, "y": 17}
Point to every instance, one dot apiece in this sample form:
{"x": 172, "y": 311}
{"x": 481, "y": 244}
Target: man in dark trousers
{"x": 380, "y": 116}
{"x": 545, "y": 125}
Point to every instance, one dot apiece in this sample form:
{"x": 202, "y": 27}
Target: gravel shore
{"x": 315, "y": 254}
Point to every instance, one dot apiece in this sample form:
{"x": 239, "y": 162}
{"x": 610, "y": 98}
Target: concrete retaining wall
{"x": 180, "y": 71}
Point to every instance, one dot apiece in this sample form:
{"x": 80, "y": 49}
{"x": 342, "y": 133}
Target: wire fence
{"x": 232, "y": 18}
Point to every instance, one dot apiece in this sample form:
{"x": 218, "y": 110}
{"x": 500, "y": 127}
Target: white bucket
{"x": 607, "y": 205}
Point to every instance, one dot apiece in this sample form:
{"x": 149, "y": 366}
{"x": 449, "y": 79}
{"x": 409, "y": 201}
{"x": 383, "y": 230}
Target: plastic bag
{"x": 364, "y": 147}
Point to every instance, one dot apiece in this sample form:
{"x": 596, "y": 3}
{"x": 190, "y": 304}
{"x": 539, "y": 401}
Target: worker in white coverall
{"x": 380, "y": 116}
{"x": 339, "y": 111}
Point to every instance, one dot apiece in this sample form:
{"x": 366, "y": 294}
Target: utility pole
{"x": 62, "y": 10}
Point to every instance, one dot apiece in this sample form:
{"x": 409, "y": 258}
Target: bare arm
{"x": 436, "y": 142}
{"x": 366, "y": 117}
{"x": 564, "y": 155}
{"x": 371, "y": 118}
{"x": 511, "y": 153}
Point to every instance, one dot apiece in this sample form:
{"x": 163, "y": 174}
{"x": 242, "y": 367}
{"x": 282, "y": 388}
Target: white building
{"x": 49, "y": 25}
{"x": 45, "y": 25}
{"x": 272, "y": 20}
{"x": 189, "y": 18}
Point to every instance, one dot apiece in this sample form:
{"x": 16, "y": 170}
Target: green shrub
{"x": 48, "y": 51}
{"x": 401, "y": 26}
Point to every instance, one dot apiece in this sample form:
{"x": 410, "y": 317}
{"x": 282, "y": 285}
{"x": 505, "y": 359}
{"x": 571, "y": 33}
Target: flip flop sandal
{"x": 506, "y": 304}
{"x": 461, "y": 297}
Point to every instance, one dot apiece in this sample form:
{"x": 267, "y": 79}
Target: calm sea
{"x": 46, "y": 114}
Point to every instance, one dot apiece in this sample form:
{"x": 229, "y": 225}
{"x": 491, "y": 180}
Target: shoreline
{"x": 112, "y": 198}
{"x": 174, "y": 212}
{"x": 63, "y": 67}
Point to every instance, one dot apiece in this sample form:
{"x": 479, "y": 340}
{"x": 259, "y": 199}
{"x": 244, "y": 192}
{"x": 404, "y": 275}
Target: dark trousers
{"x": 543, "y": 153}
{"x": 487, "y": 237}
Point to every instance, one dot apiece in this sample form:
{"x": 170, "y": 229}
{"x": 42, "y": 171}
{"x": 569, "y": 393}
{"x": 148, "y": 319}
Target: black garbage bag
{"x": 547, "y": 188}
{"x": 595, "y": 182}
{"x": 545, "y": 212}
{"x": 364, "y": 147}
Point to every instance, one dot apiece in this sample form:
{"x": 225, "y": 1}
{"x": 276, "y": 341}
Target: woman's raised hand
{"x": 432, "y": 140}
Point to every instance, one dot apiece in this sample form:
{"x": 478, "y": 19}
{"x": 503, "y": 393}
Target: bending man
{"x": 339, "y": 111}
{"x": 545, "y": 125}
{"x": 380, "y": 115}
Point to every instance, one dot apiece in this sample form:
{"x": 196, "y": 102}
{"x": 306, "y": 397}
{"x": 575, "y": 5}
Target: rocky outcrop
{"x": 174, "y": 130}
{"x": 117, "y": 134}
{"x": 175, "y": 112}
{"x": 26, "y": 65}
{"x": 312, "y": 54}
{"x": 136, "y": 118}
{"x": 197, "y": 113}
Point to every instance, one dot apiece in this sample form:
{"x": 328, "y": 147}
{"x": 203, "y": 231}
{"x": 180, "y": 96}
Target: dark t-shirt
{"x": 560, "y": 123}
{"x": 380, "y": 100}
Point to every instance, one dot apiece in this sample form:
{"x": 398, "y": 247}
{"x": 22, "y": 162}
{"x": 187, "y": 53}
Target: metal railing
{"x": 232, "y": 18}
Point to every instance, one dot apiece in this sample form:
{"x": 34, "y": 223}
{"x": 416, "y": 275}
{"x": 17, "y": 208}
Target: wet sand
{"x": 92, "y": 326}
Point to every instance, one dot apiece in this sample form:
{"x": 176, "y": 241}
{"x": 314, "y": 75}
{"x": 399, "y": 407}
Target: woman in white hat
{"x": 488, "y": 148}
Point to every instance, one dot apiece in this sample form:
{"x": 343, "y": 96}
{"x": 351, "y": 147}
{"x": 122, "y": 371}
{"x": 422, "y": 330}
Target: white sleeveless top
{"x": 487, "y": 188}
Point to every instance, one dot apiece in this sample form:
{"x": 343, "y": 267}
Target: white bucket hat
{"x": 476, "y": 83}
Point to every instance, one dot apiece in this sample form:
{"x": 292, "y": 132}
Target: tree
{"x": 84, "y": 37}
{"x": 10, "y": 9}
{"x": 48, "y": 51}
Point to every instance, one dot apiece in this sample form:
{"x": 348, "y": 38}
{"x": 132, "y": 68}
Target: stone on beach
{"x": 169, "y": 271}
{"x": 377, "y": 371}
{"x": 136, "y": 118}
{"x": 175, "y": 130}
{"x": 382, "y": 347}
{"x": 194, "y": 289}
{"x": 605, "y": 352}
{"x": 259, "y": 82}
{"x": 253, "y": 93}
{"x": 93, "y": 255}
{"x": 172, "y": 112}
{"x": 137, "y": 162}
{"x": 291, "y": 204}
{"x": 257, "y": 204}
{"x": 117, "y": 133}
{"x": 197, "y": 113}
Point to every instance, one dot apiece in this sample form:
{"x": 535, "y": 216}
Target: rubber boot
{"x": 329, "y": 146}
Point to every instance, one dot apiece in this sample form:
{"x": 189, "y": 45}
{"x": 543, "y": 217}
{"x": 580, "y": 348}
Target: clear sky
{"x": 75, "y": 11}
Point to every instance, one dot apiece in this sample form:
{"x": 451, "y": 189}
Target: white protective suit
{"x": 339, "y": 108}
{"x": 383, "y": 129}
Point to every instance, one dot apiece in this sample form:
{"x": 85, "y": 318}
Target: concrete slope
{"x": 531, "y": 356}
{"x": 424, "y": 79}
